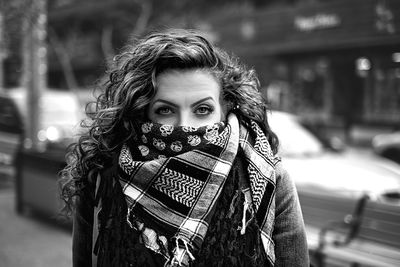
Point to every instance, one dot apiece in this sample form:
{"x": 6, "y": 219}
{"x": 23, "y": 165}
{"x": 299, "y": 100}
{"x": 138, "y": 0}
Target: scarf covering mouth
{"x": 172, "y": 191}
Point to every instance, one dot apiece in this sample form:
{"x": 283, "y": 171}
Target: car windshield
{"x": 295, "y": 140}
{"x": 58, "y": 108}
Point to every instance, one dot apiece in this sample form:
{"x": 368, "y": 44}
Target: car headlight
{"x": 51, "y": 134}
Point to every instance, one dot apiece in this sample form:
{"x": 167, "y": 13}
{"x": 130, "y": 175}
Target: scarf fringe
{"x": 181, "y": 255}
{"x": 247, "y": 207}
{"x": 159, "y": 244}
{"x": 232, "y": 206}
{"x": 150, "y": 238}
{"x": 130, "y": 215}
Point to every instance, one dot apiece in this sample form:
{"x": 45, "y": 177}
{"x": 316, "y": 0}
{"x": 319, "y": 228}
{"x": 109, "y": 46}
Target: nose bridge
{"x": 184, "y": 118}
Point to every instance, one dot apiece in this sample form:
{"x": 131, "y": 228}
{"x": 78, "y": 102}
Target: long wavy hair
{"x": 130, "y": 86}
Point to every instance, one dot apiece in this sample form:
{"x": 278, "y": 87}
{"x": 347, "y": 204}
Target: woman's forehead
{"x": 184, "y": 82}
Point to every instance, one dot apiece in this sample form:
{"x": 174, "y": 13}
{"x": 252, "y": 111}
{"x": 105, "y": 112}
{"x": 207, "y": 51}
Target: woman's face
{"x": 187, "y": 98}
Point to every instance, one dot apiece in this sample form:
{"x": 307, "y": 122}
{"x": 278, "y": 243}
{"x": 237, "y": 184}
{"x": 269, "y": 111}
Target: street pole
{"x": 35, "y": 68}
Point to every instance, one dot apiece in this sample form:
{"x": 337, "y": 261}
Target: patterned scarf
{"x": 172, "y": 193}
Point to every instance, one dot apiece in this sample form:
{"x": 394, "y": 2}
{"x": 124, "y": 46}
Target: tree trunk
{"x": 35, "y": 68}
{"x": 2, "y": 52}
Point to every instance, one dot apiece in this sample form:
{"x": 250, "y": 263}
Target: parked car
{"x": 350, "y": 199}
{"x": 387, "y": 145}
{"x": 60, "y": 115}
{"x": 11, "y": 134}
{"x": 36, "y": 172}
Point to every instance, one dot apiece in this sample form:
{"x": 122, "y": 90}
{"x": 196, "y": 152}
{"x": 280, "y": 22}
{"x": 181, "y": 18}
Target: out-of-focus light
{"x": 42, "y": 135}
{"x": 52, "y": 133}
{"x": 248, "y": 30}
{"x": 42, "y": 18}
{"x": 396, "y": 57}
{"x": 363, "y": 63}
{"x": 42, "y": 51}
{"x": 42, "y": 68}
{"x": 28, "y": 143}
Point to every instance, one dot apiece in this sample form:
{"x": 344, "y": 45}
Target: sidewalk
{"x": 28, "y": 241}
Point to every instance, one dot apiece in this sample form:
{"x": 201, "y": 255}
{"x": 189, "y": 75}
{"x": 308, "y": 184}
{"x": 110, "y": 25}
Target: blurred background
{"x": 330, "y": 70}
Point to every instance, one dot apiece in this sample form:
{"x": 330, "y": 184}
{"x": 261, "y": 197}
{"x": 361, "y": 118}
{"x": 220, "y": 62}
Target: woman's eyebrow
{"x": 165, "y": 102}
{"x": 200, "y": 101}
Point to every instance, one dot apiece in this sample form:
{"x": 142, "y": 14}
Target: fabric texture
{"x": 120, "y": 245}
{"x": 172, "y": 192}
{"x": 224, "y": 244}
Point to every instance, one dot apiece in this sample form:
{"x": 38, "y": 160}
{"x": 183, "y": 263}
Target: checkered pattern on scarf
{"x": 177, "y": 193}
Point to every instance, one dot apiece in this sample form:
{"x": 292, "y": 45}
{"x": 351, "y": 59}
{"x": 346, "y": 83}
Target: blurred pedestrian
{"x": 179, "y": 165}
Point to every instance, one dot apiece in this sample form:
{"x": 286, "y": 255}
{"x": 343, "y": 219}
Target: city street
{"x": 27, "y": 240}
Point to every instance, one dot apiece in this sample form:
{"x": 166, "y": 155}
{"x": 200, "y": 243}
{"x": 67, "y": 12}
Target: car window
{"x": 60, "y": 113}
{"x": 60, "y": 110}
{"x": 10, "y": 120}
{"x": 57, "y": 108}
{"x": 295, "y": 140}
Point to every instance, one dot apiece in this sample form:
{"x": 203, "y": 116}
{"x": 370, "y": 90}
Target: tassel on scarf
{"x": 130, "y": 217}
{"x": 233, "y": 203}
{"x": 246, "y": 207}
{"x": 150, "y": 238}
{"x": 181, "y": 255}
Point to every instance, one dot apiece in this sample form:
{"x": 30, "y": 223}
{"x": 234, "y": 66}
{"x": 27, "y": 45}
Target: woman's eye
{"x": 204, "y": 110}
{"x": 163, "y": 111}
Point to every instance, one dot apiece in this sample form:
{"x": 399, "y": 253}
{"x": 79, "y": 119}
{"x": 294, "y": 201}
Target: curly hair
{"x": 130, "y": 87}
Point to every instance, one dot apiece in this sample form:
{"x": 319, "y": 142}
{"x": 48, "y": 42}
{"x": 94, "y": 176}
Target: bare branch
{"x": 144, "y": 17}
{"x": 106, "y": 43}
{"x": 64, "y": 59}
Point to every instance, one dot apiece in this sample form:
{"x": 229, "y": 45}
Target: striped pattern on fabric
{"x": 178, "y": 186}
{"x": 181, "y": 191}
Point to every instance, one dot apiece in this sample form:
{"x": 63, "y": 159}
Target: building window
{"x": 311, "y": 92}
{"x": 382, "y": 86}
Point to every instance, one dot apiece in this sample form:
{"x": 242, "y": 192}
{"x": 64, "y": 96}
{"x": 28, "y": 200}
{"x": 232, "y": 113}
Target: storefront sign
{"x": 315, "y": 22}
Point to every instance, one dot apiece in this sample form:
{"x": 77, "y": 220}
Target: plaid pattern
{"x": 180, "y": 191}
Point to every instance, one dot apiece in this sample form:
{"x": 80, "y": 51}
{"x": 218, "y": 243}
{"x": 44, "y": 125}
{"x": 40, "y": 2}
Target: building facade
{"x": 334, "y": 61}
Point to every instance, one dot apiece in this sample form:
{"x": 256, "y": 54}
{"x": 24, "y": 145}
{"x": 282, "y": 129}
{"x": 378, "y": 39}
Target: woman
{"x": 179, "y": 165}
